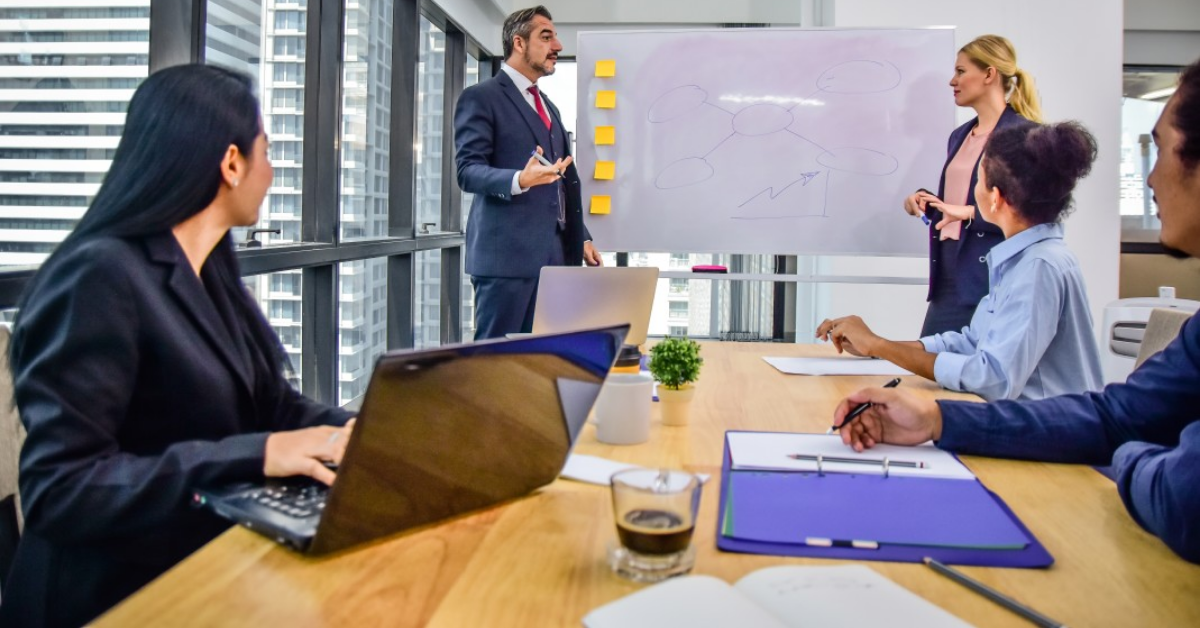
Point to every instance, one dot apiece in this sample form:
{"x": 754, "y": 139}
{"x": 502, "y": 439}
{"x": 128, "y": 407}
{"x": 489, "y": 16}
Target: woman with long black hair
{"x": 142, "y": 367}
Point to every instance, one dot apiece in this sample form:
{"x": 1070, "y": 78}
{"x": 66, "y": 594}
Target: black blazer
{"x": 133, "y": 391}
{"x": 511, "y": 236}
{"x": 965, "y": 257}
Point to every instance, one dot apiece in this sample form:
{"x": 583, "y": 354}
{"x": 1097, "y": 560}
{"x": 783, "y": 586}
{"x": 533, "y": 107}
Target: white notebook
{"x": 776, "y": 597}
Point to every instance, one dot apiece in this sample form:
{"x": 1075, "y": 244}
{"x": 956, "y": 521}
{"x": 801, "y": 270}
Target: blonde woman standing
{"x": 987, "y": 79}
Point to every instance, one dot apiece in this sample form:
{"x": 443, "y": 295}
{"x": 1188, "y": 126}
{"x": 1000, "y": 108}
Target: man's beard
{"x": 540, "y": 67}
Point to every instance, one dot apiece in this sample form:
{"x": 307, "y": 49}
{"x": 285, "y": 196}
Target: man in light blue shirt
{"x": 1031, "y": 336}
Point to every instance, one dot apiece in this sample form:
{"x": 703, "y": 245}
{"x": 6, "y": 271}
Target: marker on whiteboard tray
{"x": 545, "y": 162}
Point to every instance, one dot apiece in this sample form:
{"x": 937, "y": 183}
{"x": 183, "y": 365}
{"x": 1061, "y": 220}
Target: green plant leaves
{"x": 675, "y": 361}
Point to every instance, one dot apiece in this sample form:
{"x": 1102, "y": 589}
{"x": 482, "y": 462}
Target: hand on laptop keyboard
{"x": 307, "y": 452}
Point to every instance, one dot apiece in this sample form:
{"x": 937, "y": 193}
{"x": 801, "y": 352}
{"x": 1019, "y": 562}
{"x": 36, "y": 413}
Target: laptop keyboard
{"x": 293, "y": 500}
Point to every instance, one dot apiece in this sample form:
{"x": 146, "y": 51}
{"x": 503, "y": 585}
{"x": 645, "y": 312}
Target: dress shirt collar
{"x": 518, "y": 79}
{"x": 1013, "y": 246}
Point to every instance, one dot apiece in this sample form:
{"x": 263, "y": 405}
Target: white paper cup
{"x": 623, "y": 409}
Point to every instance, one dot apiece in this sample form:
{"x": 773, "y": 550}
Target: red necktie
{"x": 537, "y": 102}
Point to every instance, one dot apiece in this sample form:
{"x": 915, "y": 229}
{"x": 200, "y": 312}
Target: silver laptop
{"x": 571, "y": 298}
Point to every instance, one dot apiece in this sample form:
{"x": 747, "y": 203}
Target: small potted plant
{"x": 675, "y": 363}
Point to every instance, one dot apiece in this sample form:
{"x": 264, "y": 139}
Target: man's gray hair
{"x": 520, "y": 24}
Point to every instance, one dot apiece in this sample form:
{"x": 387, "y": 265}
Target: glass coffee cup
{"x": 655, "y": 512}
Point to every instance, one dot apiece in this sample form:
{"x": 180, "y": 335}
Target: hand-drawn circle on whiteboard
{"x": 858, "y": 161}
{"x": 762, "y": 119}
{"x": 859, "y": 77}
{"x": 677, "y": 102}
{"x": 682, "y": 173}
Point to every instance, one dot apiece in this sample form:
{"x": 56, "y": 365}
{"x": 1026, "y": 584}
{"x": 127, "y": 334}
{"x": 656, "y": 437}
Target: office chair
{"x": 1161, "y": 329}
{"x": 12, "y": 436}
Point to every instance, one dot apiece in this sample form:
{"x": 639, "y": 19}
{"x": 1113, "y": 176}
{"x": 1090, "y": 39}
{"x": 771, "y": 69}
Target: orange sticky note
{"x": 606, "y": 68}
{"x": 601, "y": 204}
{"x": 605, "y": 170}
{"x": 606, "y": 100}
{"x": 606, "y": 135}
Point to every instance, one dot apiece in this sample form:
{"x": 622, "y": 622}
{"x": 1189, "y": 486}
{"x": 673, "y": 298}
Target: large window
{"x": 1146, "y": 92}
{"x": 362, "y": 323}
{"x": 431, "y": 74}
{"x": 66, "y": 77}
{"x": 366, "y": 114}
{"x": 428, "y": 306}
{"x": 345, "y": 261}
{"x": 472, "y": 75}
{"x": 265, "y": 39}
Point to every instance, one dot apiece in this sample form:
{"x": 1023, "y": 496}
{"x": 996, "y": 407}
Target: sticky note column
{"x": 604, "y": 136}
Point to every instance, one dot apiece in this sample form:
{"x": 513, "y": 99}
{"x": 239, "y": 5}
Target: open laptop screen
{"x": 447, "y": 431}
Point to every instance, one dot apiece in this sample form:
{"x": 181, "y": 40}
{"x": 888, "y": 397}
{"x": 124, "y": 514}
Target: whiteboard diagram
{"x": 766, "y": 140}
{"x": 857, "y": 76}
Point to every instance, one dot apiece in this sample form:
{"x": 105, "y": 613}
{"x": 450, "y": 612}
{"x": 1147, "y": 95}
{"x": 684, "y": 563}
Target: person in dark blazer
{"x": 143, "y": 369}
{"x": 525, "y": 214}
{"x": 987, "y": 79}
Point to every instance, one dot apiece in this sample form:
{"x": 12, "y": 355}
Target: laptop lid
{"x": 446, "y": 431}
{"x": 571, "y": 297}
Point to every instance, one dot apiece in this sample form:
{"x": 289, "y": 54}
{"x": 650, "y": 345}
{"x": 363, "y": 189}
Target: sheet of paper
{"x": 606, "y": 135}
{"x": 845, "y": 595}
{"x": 606, "y": 68}
{"x": 769, "y": 451}
{"x": 606, "y": 99}
{"x": 836, "y": 366}
{"x": 688, "y": 602}
{"x": 601, "y": 205}
{"x": 605, "y": 170}
{"x": 596, "y": 470}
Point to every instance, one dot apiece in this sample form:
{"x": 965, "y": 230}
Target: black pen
{"x": 993, "y": 595}
{"x": 860, "y": 409}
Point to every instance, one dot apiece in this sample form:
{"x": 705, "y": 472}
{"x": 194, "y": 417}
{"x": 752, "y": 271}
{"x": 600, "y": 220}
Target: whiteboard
{"x": 774, "y": 141}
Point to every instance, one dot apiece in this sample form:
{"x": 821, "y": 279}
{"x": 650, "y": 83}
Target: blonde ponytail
{"x": 1023, "y": 96}
{"x": 994, "y": 51}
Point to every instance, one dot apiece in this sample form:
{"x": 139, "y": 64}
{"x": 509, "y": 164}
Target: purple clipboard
{"x": 1032, "y": 555}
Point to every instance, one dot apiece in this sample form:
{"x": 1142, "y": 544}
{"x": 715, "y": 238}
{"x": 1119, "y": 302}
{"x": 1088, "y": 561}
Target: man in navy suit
{"x": 525, "y": 215}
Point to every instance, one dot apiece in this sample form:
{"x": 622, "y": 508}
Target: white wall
{"x": 1162, "y": 32}
{"x": 481, "y": 19}
{"x": 1078, "y": 74}
{"x": 668, "y": 11}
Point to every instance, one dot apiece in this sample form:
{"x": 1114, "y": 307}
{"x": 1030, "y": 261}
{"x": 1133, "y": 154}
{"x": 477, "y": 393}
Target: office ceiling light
{"x": 1158, "y": 93}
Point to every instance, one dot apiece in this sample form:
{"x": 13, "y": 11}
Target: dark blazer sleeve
{"x": 474, "y": 124}
{"x": 76, "y": 359}
{"x": 1147, "y": 427}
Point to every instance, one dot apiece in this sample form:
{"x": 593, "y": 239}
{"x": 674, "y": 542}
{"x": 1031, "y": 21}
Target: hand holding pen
{"x": 917, "y": 203}
{"x": 541, "y": 171}
{"x": 898, "y": 417}
{"x": 855, "y": 413}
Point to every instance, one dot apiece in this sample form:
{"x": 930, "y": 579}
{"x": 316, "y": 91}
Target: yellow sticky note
{"x": 606, "y": 100}
{"x": 606, "y": 68}
{"x": 601, "y": 204}
{"x": 605, "y": 170}
{"x": 606, "y": 135}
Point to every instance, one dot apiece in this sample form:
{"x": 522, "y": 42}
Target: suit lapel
{"x": 540, "y": 134}
{"x": 186, "y": 288}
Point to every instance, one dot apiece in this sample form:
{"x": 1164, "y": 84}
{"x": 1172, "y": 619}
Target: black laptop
{"x": 441, "y": 432}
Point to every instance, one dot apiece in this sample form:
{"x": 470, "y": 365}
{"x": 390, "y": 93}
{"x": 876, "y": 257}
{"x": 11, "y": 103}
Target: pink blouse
{"x": 958, "y": 178}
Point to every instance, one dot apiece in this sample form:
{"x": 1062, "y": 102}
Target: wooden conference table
{"x": 540, "y": 561}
